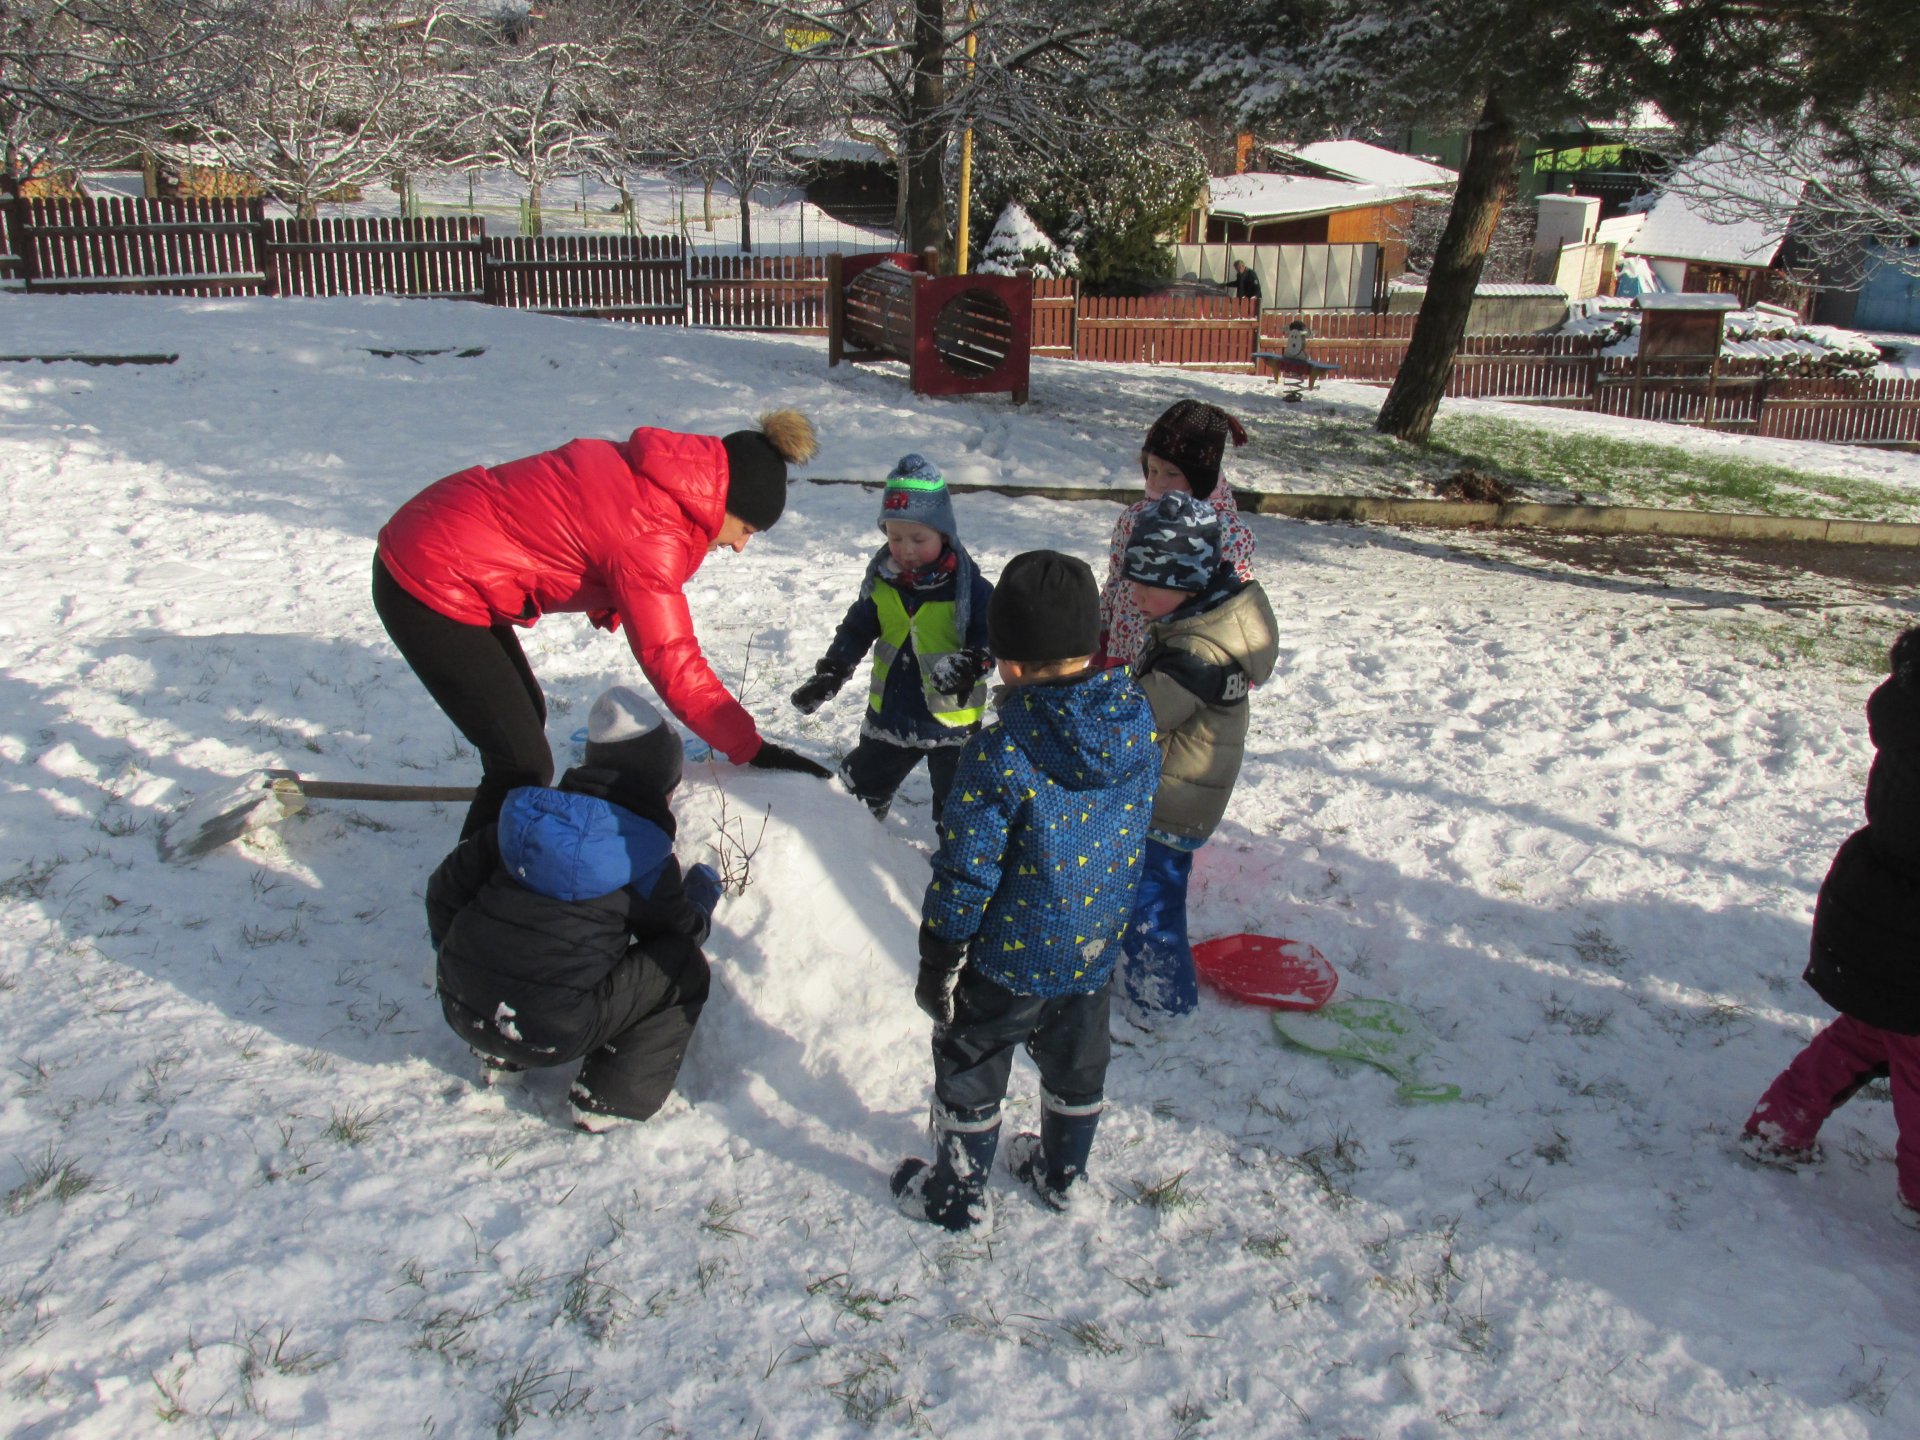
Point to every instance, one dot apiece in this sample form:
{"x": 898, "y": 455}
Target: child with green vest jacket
{"x": 922, "y": 610}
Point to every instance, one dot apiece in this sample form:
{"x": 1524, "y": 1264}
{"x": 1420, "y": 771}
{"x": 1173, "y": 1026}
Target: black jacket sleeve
{"x": 667, "y": 910}
{"x": 452, "y": 887}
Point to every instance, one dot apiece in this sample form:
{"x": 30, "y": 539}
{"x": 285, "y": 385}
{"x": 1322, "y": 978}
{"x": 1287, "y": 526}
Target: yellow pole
{"x": 966, "y": 163}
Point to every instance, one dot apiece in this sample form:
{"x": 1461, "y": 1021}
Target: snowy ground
{"x": 251, "y": 1186}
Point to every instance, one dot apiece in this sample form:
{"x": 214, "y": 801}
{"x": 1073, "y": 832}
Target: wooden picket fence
{"x": 434, "y": 259}
{"x": 1195, "y": 331}
{"x": 134, "y": 246}
{"x": 758, "y": 292}
{"x": 637, "y": 278}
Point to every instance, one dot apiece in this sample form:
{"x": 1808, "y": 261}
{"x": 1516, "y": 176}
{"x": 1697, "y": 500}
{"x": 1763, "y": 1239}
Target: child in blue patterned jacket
{"x": 922, "y": 610}
{"x": 1039, "y": 855}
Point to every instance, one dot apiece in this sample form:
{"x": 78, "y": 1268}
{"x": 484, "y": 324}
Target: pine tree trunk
{"x": 1486, "y": 184}
{"x": 925, "y": 137}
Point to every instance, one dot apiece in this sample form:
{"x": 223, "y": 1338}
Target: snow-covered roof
{"x": 1690, "y": 300}
{"x": 840, "y": 149}
{"x": 1499, "y": 288}
{"x": 1259, "y": 195}
{"x": 1687, "y": 222}
{"x": 1366, "y": 164}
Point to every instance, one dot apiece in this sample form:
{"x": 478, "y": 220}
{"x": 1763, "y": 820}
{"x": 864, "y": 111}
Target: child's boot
{"x": 493, "y": 1069}
{"x": 1908, "y": 1215}
{"x": 1156, "y": 968}
{"x": 952, "y": 1191}
{"x": 1053, "y": 1160}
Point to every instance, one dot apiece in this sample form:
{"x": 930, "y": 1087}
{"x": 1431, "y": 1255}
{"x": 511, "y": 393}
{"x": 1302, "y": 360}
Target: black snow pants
{"x": 646, "y": 1011}
{"x": 1065, "y": 1034}
{"x": 479, "y": 676}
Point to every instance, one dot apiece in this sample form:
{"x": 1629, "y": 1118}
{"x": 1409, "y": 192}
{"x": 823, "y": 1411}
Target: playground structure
{"x": 958, "y": 334}
{"x": 1291, "y": 367}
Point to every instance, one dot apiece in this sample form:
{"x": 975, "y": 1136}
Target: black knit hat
{"x": 1904, "y": 659}
{"x": 756, "y": 479}
{"x": 627, "y": 734}
{"x": 1193, "y": 435}
{"x": 1045, "y": 606}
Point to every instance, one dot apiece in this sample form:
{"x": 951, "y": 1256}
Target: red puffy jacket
{"x": 614, "y": 530}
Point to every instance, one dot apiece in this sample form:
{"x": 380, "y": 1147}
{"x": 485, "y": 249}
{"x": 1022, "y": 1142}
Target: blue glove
{"x": 704, "y": 888}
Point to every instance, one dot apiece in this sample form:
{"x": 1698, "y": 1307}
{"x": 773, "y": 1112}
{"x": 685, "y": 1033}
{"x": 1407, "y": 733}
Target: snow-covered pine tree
{"x": 1016, "y": 244}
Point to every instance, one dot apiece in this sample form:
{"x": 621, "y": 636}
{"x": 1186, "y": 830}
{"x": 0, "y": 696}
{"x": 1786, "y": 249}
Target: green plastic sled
{"x": 1380, "y": 1033}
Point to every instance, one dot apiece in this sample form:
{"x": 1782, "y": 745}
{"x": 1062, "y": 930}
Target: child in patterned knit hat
{"x": 1181, "y": 454}
{"x": 922, "y": 610}
{"x": 1210, "y": 636}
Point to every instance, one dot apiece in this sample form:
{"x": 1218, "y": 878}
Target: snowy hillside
{"x": 253, "y": 1188}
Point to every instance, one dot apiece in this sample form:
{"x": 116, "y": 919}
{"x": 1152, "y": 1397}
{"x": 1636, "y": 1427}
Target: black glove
{"x": 827, "y": 679}
{"x": 778, "y": 757}
{"x": 958, "y": 673}
{"x": 940, "y": 962}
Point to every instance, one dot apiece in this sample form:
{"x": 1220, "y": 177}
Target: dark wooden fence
{"x": 160, "y": 247}
{"x": 638, "y": 278}
{"x": 1197, "y": 331}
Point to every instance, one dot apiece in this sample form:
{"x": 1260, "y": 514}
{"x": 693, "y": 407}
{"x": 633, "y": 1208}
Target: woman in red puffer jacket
{"x": 612, "y": 529}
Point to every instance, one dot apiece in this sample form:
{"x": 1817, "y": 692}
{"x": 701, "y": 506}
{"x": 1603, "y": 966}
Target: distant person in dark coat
{"x": 1246, "y": 284}
{"x": 564, "y": 931}
{"x": 1865, "y": 957}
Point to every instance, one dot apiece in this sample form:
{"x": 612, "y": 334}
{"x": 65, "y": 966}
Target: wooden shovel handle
{"x": 356, "y": 790}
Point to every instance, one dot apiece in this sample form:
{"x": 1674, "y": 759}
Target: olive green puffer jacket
{"x": 1196, "y": 669}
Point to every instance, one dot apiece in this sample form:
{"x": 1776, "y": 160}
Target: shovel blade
{"x": 222, "y": 816}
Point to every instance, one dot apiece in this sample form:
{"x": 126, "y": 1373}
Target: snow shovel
{"x": 1375, "y": 1032}
{"x": 266, "y": 797}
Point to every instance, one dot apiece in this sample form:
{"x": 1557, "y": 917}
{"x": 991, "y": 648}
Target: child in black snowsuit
{"x": 922, "y": 609}
{"x": 1865, "y": 959}
{"x": 1039, "y": 855}
{"x": 565, "y": 931}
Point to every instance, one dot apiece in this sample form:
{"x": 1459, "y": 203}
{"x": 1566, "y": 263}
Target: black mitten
{"x": 940, "y": 963}
{"x": 778, "y": 757}
{"x": 826, "y": 682}
{"x": 958, "y": 673}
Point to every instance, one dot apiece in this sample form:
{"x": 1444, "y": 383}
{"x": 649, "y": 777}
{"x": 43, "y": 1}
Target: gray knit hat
{"x": 917, "y": 491}
{"x": 625, "y": 733}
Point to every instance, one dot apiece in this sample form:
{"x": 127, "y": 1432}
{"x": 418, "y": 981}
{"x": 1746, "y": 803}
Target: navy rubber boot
{"x": 952, "y": 1191}
{"x": 1053, "y": 1160}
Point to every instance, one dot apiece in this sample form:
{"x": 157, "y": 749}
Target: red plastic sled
{"x": 1267, "y": 970}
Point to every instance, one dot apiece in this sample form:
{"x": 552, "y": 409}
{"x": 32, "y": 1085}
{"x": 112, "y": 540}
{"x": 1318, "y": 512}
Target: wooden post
{"x": 22, "y": 240}
{"x": 836, "y": 306}
{"x": 269, "y": 276}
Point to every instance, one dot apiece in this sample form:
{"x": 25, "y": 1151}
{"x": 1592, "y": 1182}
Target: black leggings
{"x": 479, "y": 676}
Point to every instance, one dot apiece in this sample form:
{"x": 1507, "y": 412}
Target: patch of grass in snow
{"x": 1578, "y": 1022}
{"x": 1854, "y": 640}
{"x": 1165, "y": 1195}
{"x": 531, "y": 1393}
{"x": 870, "y": 1391}
{"x": 866, "y": 1306}
{"x": 353, "y": 1125}
{"x": 32, "y": 880}
{"x": 1609, "y": 471}
{"x": 49, "y": 1176}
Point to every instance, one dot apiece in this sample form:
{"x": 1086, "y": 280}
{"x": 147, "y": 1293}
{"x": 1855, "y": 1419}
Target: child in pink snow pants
{"x": 1865, "y": 956}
